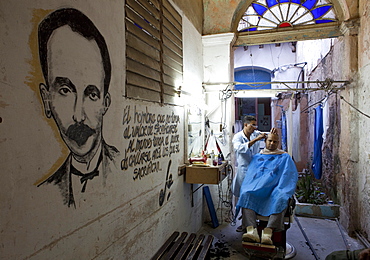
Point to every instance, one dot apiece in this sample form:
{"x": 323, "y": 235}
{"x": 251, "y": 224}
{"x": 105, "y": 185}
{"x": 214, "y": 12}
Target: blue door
{"x": 258, "y": 107}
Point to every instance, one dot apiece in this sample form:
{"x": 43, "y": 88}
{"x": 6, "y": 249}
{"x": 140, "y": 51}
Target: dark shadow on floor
{"x": 324, "y": 236}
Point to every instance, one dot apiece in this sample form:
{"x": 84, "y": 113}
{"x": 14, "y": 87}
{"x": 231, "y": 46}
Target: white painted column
{"x": 218, "y": 62}
{"x": 218, "y": 57}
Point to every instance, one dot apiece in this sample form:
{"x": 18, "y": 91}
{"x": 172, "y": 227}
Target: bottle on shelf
{"x": 212, "y": 156}
{"x": 221, "y": 158}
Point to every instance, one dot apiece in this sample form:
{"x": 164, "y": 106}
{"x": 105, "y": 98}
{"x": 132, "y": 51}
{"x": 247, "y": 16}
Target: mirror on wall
{"x": 195, "y": 131}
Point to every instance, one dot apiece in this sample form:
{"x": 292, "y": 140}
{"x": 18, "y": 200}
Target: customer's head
{"x": 272, "y": 141}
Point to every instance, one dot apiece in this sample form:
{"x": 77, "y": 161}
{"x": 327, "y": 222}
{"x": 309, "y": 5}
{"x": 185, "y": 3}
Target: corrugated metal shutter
{"x": 153, "y": 50}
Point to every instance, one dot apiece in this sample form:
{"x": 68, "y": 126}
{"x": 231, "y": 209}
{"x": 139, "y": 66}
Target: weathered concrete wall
{"x": 269, "y": 56}
{"x": 346, "y": 151}
{"x": 319, "y": 57}
{"x": 363, "y": 104}
{"x": 127, "y": 211}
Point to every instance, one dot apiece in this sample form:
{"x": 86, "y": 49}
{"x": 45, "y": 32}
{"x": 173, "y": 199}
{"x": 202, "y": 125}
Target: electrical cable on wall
{"x": 224, "y": 95}
{"x": 272, "y": 56}
{"x": 250, "y": 51}
{"x": 358, "y": 110}
{"x": 229, "y": 196}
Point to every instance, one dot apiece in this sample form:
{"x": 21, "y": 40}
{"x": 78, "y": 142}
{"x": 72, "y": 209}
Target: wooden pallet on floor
{"x": 178, "y": 247}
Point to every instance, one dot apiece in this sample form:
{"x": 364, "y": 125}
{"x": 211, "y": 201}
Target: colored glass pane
{"x": 266, "y": 23}
{"x": 292, "y": 11}
{"x": 306, "y": 18}
{"x": 272, "y": 14}
{"x": 271, "y": 3}
{"x": 320, "y": 11}
{"x": 309, "y": 4}
{"x": 324, "y": 21}
{"x": 285, "y": 24}
{"x": 249, "y": 30}
{"x": 277, "y": 14}
{"x": 284, "y": 12}
{"x": 260, "y": 9}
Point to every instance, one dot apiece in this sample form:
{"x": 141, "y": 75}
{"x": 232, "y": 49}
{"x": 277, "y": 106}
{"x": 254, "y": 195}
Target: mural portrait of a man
{"x": 76, "y": 67}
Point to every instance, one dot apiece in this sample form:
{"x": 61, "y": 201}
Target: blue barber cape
{"x": 270, "y": 181}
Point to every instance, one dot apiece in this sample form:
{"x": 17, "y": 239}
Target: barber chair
{"x": 280, "y": 249}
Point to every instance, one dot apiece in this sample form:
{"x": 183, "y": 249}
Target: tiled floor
{"x": 323, "y": 235}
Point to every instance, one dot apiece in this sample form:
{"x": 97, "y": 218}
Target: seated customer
{"x": 269, "y": 182}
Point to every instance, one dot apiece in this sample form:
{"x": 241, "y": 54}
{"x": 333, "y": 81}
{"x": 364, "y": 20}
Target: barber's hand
{"x": 273, "y": 131}
{"x": 261, "y": 136}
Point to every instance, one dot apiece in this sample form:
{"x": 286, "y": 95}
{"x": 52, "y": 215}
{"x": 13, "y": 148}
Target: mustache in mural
{"x": 79, "y": 132}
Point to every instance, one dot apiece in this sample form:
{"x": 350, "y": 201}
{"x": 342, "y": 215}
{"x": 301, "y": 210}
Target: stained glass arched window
{"x": 273, "y": 14}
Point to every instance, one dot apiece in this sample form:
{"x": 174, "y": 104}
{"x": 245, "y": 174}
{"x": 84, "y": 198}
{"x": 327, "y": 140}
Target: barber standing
{"x": 246, "y": 143}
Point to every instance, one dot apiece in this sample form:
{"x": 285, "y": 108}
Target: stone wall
{"x": 364, "y": 120}
{"x": 345, "y": 152}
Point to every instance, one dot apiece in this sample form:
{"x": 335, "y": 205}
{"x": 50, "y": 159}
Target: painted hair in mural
{"x": 76, "y": 66}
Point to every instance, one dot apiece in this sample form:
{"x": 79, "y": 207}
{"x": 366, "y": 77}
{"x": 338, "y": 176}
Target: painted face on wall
{"x": 75, "y": 97}
{"x": 272, "y": 142}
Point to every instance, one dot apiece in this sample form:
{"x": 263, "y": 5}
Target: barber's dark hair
{"x": 248, "y": 118}
{"x": 79, "y": 23}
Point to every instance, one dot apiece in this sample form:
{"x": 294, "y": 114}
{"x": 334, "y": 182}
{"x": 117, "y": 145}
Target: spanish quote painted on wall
{"x": 151, "y": 137}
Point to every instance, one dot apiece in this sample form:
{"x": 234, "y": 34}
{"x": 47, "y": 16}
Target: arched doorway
{"x": 267, "y": 21}
{"x": 249, "y": 104}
